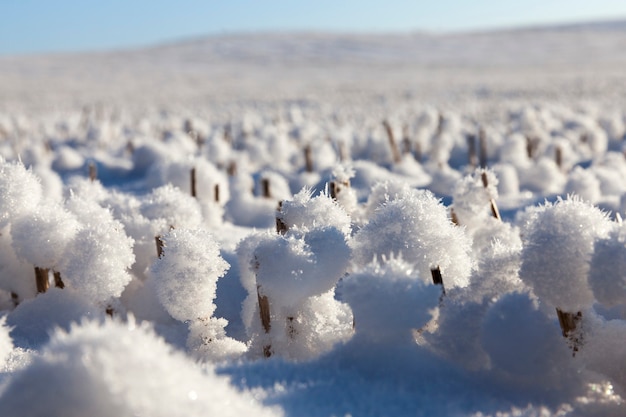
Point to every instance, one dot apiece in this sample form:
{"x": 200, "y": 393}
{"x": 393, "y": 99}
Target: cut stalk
{"x": 570, "y": 328}
{"x": 406, "y": 140}
{"x": 41, "y": 279}
{"x": 232, "y": 168}
{"x": 193, "y": 182}
{"x": 453, "y": 217}
{"x": 93, "y": 172}
{"x": 482, "y": 139}
{"x": 392, "y": 142}
{"x": 58, "y": 282}
{"x": 438, "y": 280}
{"x": 494, "y": 207}
{"x": 308, "y": 158}
{"x": 264, "y": 314}
{"x": 159, "y": 245}
{"x": 471, "y": 147}
{"x": 335, "y": 187}
{"x": 265, "y": 185}
{"x": 216, "y": 193}
{"x": 15, "y": 299}
{"x": 281, "y": 226}
{"x": 558, "y": 157}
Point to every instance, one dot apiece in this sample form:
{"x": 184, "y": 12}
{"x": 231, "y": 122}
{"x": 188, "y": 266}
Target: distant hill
{"x": 253, "y": 65}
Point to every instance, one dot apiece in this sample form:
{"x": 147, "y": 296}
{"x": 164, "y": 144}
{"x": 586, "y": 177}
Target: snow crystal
{"x": 558, "y": 245}
{"x": 116, "y": 369}
{"x": 187, "y": 273}
{"x": 20, "y": 191}
{"x": 416, "y": 226}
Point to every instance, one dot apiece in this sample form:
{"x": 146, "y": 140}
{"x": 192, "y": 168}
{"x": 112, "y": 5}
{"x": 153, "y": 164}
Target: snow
{"x": 302, "y": 277}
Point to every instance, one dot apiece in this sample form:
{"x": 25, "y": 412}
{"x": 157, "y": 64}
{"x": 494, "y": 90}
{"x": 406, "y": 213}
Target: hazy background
{"x": 31, "y": 26}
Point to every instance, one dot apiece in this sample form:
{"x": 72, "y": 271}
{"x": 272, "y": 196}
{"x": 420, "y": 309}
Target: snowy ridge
{"x": 266, "y": 65}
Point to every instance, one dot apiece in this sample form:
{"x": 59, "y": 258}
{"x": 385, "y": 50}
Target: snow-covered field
{"x": 317, "y": 224}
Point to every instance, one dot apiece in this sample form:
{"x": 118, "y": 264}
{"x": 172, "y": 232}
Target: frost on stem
{"x": 286, "y": 276}
{"x": 392, "y": 142}
{"x": 185, "y": 279}
{"x": 389, "y": 300}
{"x": 20, "y": 191}
{"x": 415, "y": 225}
{"x": 558, "y": 245}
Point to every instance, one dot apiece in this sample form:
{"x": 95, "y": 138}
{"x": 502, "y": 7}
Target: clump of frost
{"x": 415, "y": 225}
{"x": 185, "y": 278}
{"x": 296, "y": 266}
{"x": 525, "y": 347}
{"x": 558, "y": 244}
{"x": 34, "y": 319}
{"x": 305, "y": 212}
{"x": 389, "y": 300}
{"x": 472, "y": 198}
{"x": 120, "y": 369}
{"x": 285, "y": 273}
{"x": 41, "y": 237}
{"x": 168, "y": 207}
{"x": 585, "y": 184}
{"x": 20, "y": 191}
{"x": 187, "y": 273}
{"x": 383, "y": 192}
{"x": 97, "y": 259}
{"x": 345, "y": 195}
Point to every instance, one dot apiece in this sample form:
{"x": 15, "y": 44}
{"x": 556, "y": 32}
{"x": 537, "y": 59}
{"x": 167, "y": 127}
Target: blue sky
{"x": 30, "y": 26}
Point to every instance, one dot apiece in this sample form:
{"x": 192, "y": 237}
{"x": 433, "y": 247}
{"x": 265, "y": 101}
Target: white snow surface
{"x": 353, "y": 322}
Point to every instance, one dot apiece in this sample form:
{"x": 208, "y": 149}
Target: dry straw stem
{"x": 93, "y": 172}
{"x": 494, "y": 207}
{"x": 438, "y": 278}
{"x": 231, "y": 170}
{"x": 558, "y": 157}
{"x": 392, "y": 142}
{"x": 531, "y": 146}
{"x": 453, "y": 217}
{"x": 308, "y": 158}
{"x": 15, "y": 299}
{"x": 193, "y": 182}
{"x": 264, "y": 314}
{"x": 482, "y": 139}
{"x": 471, "y": 146}
{"x": 281, "y": 227}
{"x": 41, "y": 279}
{"x": 335, "y": 188}
{"x": 265, "y": 185}
{"x": 159, "y": 245}
{"x": 216, "y": 193}
{"x": 58, "y": 282}
{"x": 570, "y": 328}
{"x": 406, "y": 140}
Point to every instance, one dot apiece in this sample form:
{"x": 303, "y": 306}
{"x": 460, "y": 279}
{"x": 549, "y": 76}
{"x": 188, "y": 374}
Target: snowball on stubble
{"x": 97, "y": 259}
{"x": 171, "y": 207}
{"x": 305, "y": 212}
{"x": 20, "y": 191}
{"x": 415, "y": 225}
{"x": 40, "y": 237}
{"x": 187, "y": 273}
{"x": 389, "y": 299}
{"x": 558, "y": 244}
{"x": 296, "y": 266}
{"x": 116, "y": 369}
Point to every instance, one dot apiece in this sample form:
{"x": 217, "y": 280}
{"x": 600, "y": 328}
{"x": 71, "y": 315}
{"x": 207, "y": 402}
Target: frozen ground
{"x": 344, "y": 301}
